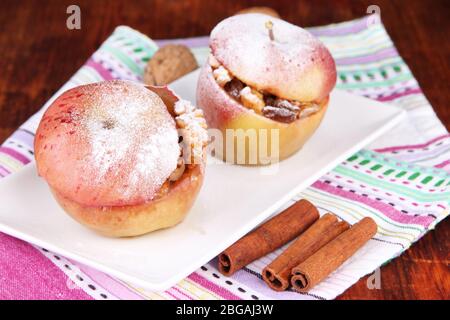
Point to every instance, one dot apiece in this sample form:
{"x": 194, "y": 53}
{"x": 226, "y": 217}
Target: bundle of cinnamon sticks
{"x": 321, "y": 245}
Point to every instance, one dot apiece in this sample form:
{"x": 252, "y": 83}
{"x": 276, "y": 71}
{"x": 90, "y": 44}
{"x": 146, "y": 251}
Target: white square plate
{"x": 233, "y": 200}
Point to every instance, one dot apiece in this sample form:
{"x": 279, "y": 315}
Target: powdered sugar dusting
{"x": 130, "y": 129}
{"x": 248, "y": 36}
{"x": 243, "y": 46}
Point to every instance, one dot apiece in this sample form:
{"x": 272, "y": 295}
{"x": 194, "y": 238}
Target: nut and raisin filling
{"x": 193, "y": 137}
{"x": 262, "y": 103}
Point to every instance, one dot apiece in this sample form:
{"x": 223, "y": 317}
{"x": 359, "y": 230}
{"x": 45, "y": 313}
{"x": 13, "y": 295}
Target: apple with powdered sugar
{"x": 264, "y": 73}
{"x": 111, "y": 154}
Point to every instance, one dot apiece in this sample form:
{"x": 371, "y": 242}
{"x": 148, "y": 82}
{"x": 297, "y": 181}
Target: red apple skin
{"x": 62, "y": 150}
{"x": 294, "y": 65}
{"x": 223, "y": 112}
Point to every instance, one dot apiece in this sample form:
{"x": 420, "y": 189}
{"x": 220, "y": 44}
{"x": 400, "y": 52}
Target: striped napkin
{"x": 402, "y": 180}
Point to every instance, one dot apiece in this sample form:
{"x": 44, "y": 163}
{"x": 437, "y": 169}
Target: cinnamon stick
{"x": 327, "y": 259}
{"x": 269, "y": 236}
{"x": 278, "y": 273}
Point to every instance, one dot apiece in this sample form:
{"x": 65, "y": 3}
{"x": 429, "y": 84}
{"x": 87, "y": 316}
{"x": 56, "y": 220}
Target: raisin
{"x": 281, "y": 103}
{"x": 269, "y": 100}
{"x": 279, "y": 114}
{"x": 234, "y": 88}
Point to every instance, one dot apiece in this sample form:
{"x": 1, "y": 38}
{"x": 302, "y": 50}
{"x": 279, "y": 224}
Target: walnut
{"x": 181, "y": 123}
{"x": 213, "y": 62}
{"x": 222, "y": 76}
{"x": 252, "y": 99}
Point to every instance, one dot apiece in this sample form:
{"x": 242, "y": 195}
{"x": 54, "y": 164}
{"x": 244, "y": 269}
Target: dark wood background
{"x": 38, "y": 54}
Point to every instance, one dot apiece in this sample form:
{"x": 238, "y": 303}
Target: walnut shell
{"x": 168, "y": 64}
{"x": 263, "y": 10}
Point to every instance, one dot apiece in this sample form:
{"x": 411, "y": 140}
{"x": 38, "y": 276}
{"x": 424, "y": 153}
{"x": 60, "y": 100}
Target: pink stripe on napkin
{"x": 224, "y": 293}
{"x": 386, "y": 209}
{"x": 14, "y": 154}
{"x": 400, "y": 95}
{"x": 105, "y": 74}
{"x": 32, "y": 276}
{"x": 413, "y": 146}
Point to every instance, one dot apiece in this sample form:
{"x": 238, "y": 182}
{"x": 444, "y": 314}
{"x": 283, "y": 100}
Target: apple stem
{"x": 269, "y": 26}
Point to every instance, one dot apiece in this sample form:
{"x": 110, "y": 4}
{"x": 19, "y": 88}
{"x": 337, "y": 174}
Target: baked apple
{"x": 121, "y": 158}
{"x": 265, "y": 86}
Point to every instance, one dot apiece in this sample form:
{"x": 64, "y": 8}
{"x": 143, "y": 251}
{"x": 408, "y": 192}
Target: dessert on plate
{"x": 121, "y": 158}
{"x": 268, "y": 78}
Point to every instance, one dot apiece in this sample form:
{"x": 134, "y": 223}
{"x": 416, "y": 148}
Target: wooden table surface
{"x": 38, "y": 54}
